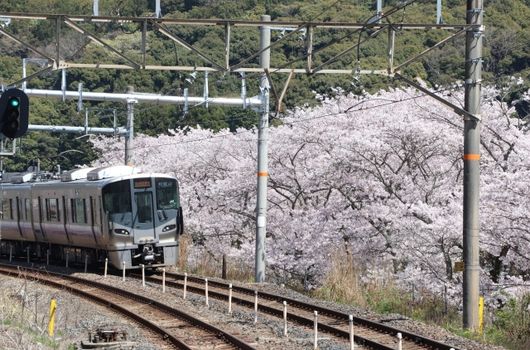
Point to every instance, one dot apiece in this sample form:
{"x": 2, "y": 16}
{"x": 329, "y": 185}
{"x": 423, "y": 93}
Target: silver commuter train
{"x": 113, "y": 212}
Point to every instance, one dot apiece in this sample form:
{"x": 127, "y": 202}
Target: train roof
{"x": 95, "y": 176}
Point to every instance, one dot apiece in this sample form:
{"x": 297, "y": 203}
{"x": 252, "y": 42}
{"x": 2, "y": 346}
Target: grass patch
{"x": 210, "y": 265}
{"x": 508, "y": 326}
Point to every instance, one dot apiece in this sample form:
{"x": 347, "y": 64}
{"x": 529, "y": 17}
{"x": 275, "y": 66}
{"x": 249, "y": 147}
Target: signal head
{"x": 14, "y": 102}
{"x": 14, "y": 112}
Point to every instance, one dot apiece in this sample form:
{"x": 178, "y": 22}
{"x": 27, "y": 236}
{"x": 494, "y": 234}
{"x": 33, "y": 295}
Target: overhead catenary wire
{"x": 292, "y": 122}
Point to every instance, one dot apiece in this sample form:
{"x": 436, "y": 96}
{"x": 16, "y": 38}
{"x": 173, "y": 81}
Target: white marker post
{"x": 315, "y": 342}
{"x": 106, "y": 267}
{"x": 206, "y": 291}
{"x": 400, "y": 341}
{"x": 123, "y": 271}
{"x": 185, "y": 285}
{"x": 255, "y": 306}
{"x": 284, "y": 318}
{"x": 163, "y": 280}
{"x": 352, "y": 337}
{"x": 230, "y": 299}
{"x": 143, "y": 274}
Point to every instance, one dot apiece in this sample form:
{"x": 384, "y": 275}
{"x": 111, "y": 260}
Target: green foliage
{"x": 508, "y": 325}
{"x": 36, "y": 336}
{"x": 506, "y": 52}
{"x": 511, "y": 325}
{"x": 218, "y": 118}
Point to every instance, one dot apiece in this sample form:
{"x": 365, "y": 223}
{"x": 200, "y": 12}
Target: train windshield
{"x": 167, "y": 194}
{"x": 117, "y": 197}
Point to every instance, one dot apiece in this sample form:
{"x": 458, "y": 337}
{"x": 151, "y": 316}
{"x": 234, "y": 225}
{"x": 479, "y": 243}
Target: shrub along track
{"x": 368, "y": 333}
{"x": 169, "y": 327}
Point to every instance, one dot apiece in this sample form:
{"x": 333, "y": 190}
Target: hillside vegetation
{"x": 506, "y": 54}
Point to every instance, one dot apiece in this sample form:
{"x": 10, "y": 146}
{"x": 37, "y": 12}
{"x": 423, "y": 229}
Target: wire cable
{"x": 393, "y": 10}
{"x": 253, "y": 131}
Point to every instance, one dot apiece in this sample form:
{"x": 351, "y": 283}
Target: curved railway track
{"x": 368, "y": 333}
{"x": 169, "y": 327}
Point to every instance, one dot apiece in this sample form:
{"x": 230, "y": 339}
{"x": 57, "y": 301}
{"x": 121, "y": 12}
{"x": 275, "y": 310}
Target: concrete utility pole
{"x": 129, "y": 138}
{"x": 263, "y": 135}
{"x": 158, "y": 11}
{"x": 471, "y": 163}
{"x": 379, "y": 7}
{"x": 95, "y": 8}
{"x": 439, "y": 19}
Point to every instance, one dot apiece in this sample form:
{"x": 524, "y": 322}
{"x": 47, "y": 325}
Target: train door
{"x": 94, "y": 220}
{"x": 19, "y": 215}
{"x": 143, "y": 207}
{"x": 65, "y": 220}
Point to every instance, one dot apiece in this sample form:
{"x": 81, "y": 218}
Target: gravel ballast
{"x": 25, "y": 304}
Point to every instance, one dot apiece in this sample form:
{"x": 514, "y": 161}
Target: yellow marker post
{"x": 51, "y": 322}
{"x": 481, "y": 315}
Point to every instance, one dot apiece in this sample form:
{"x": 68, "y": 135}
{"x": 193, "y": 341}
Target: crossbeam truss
{"x": 153, "y": 29}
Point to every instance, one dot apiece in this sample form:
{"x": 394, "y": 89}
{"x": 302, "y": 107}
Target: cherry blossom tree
{"x": 379, "y": 176}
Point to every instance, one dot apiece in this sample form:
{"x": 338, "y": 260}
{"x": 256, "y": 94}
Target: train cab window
{"x": 117, "y": 201}
{"x": 145, "y": 207}
{"x": 52, "y": 209}
{"x": 7, "y": 209}
{"x": 78, "y": 210}
{"x": 166, "y": 194}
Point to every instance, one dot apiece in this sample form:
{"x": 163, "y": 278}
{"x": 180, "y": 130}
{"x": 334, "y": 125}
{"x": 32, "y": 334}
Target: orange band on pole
{"x": 471, "y": 156}
{"x": 263, "y": 173}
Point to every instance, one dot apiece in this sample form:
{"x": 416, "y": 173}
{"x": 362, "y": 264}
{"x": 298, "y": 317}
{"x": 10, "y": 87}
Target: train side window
{"x": 7, "y": 209}
{"x": 52, "y": 209}
{"x": 100, "y": 214}
{"x": 78, "y": 210}
{"x": 94, "y": 213}
{"x": 27, "y": 209}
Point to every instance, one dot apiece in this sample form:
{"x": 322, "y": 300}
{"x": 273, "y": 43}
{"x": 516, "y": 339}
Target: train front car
{"x": 144, "y": 218}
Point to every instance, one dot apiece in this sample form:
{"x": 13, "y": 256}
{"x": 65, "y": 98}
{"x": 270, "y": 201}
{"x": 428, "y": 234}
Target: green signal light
{"x": 14, "y": 102}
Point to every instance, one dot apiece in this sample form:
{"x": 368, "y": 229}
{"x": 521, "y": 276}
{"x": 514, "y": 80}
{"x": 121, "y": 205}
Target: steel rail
{"x": 416, "y": 338}
{"x": 12, "y": 271}
{"x": 275, "y": 312}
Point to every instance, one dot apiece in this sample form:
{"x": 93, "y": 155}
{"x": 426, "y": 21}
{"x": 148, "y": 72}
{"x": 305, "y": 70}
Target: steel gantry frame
{"x": 248, "y": 64}
{"x": 473, "y": 29}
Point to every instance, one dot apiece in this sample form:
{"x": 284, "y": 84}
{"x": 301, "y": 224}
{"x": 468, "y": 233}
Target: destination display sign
{"x": 142, "y": 183}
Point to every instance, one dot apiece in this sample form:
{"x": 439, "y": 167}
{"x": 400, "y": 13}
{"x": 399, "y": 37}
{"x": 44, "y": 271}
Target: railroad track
{"x": 368, "y": 333}
{"x": 169, "y": 327}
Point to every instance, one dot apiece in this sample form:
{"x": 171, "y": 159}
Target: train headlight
{"x": 121, "y": 231}
{"x": 168, "y": 228}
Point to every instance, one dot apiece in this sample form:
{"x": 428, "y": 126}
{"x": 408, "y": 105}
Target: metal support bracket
{"x": 2, "y": 144}
{"x": 31, "y": 76}
{"x": 455, "y": 108}
{"x": 92, "y": 37}
{"x": 189, "y": 47}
